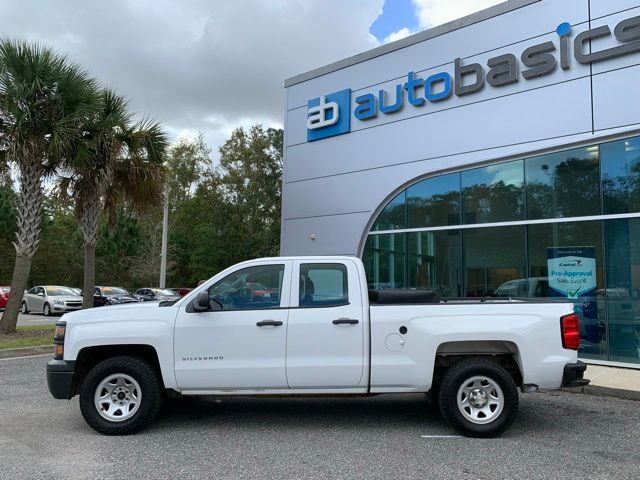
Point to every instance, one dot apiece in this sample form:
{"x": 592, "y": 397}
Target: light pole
{"x": 165, "y": 231}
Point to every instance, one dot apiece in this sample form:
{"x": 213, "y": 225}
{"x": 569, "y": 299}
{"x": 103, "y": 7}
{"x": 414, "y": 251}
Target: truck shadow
{"x": 384, "y": 411}
{"x": 539, "y": 415}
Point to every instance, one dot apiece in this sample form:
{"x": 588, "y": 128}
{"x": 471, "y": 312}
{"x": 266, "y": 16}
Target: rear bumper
{"x": 60, "y": 378}
{"x": 573, "y": 375}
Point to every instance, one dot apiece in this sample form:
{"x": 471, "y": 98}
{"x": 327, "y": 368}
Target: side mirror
{"x": 201, "y": 303}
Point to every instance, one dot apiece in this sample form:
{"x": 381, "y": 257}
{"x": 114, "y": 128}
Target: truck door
{"x": 242, "y": 345}
{"x": 325, "y": 332}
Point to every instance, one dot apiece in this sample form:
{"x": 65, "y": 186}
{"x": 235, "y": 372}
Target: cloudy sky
{"x": 214, "y": 65}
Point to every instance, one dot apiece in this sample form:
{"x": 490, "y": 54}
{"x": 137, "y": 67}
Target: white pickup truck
{"x": 308, "y": 326}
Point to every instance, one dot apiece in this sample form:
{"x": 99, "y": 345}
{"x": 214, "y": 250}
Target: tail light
{"x": 570, "y": 329}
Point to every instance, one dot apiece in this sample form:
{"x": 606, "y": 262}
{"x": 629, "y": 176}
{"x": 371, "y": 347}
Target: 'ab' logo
{"x": 329, "y": 115}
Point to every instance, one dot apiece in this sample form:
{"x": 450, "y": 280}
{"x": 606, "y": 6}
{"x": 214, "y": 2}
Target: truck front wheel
{"x": 478, "y": 397}
{"x": 120, "y": 395}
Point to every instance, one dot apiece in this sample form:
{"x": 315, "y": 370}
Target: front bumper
{"x": 65, "y": 308}
{"x": 60, "y": 378}
{"x": 573, "y": 375}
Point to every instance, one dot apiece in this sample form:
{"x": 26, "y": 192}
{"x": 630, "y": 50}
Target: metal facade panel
{"x": 615, "y": 98}
{"x": 601, "y": 8}
{"x": 333, "y": 235}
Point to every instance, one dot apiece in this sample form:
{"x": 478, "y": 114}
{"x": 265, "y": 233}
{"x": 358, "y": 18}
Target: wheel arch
{"x": 505, "y": 353}
{"x": 89, "y": 357}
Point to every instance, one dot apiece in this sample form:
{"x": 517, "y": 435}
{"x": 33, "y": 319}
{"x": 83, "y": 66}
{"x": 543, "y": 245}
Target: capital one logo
{"x": 329, "y": 115}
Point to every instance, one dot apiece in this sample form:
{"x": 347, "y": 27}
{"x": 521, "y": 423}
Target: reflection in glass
{"x": 434, "y": 202}
{"x": 493, "y": 257}
{"x": 623, "y": 288}
{"x": 384, "y": 260}
{"x": 584, "y": 237}
{"x": 564, "y": 184}
{"x": 621, "y": 176}
{"x": 494, "y": 193}
{"x": 435, "y": 262}
{"x": 393, "y": 217}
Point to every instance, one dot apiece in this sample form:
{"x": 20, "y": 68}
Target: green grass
{"x": 28, "y": 336}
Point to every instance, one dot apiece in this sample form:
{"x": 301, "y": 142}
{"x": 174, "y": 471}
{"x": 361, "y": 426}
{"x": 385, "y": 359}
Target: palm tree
{"x": 115, "y": 162}
{"x": 44, "y": 101}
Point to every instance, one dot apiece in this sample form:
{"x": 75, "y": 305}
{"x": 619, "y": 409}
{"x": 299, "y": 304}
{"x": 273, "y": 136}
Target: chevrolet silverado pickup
{"x": 309, "y": 326}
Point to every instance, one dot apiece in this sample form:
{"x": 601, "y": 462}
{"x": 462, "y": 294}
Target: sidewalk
{"x": 610, "y": 381}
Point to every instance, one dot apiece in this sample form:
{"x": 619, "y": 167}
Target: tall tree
{"x": 113, "y": 162}
{"x": 44, "y": 101}
{"x": 251, "y": 182}
{"x": 189, "y": 160}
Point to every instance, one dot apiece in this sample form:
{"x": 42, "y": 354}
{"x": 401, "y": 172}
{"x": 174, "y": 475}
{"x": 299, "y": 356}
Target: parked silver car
{"x": 50, "y": 299}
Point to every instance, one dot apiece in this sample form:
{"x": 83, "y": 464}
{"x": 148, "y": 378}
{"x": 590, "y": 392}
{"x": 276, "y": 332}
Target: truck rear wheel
{"x": 478, "y": 397}
{"x": 120, "y": 395}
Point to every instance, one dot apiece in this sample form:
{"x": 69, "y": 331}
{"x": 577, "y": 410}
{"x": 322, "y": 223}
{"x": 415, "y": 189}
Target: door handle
{"x": 345, "y": 321}
{"x": 269, "y": 323}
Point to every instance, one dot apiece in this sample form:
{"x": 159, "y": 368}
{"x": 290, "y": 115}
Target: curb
{"x": 26, "y": 351}
{"x": 605, "y": 392}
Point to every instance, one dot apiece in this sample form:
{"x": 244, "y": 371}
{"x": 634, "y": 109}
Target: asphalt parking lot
{"x": 34, "y": 319}
{"x": 558, "y": 435}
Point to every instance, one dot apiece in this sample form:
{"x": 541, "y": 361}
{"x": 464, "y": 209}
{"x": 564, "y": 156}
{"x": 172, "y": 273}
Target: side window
{"x": 40, "y": 291}
{"x": 252, "y": 288}
{"x": 32, "y": 291}
{"x": 323, "y": 285}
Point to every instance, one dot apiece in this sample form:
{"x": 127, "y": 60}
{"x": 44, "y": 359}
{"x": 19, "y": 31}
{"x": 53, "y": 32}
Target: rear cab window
{"x": 323, "y": 285}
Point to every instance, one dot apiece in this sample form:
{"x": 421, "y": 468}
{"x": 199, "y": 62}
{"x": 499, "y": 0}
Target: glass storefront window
{"x": 564, "y": 259}
{"x": 434, "y": 202}
{"x": 621, "y": 176}
{"x": 435, "y": 262}
{"x": 393, "y": 217}
{"x": 622, "y": 239}
{"x": 493, "y": 257}
{"x": 384, "y": 260}
{"x": 565, "y": 184}
{"x": 494, "y": 193}
{"x": 569, "y": 256}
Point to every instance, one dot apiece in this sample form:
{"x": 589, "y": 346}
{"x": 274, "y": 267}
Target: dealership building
{"x": 496, "y": 155}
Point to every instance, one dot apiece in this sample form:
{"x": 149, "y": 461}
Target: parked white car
{"x": 50, "y": 299}
{"x": 308, "y": 326}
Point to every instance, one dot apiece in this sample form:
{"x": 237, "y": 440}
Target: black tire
{"x": 46, "y": 309}
{"x": 456, "y": 376}
{"x": 152, "y": 392}
{"x": 23, "y": 308}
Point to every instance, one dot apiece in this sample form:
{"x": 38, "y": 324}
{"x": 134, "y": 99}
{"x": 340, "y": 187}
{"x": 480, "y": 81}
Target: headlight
{"x": 114, "y": 300}
{"x": 58, "y": 302}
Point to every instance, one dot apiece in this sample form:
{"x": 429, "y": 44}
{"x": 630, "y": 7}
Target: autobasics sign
{"x": 330, "y": 115}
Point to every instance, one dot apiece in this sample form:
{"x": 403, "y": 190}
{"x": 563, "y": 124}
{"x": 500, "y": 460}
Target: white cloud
{"x": 399, "y": 35}
{"x": 436, "y": 12}
{"x": 198, "y": 65}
